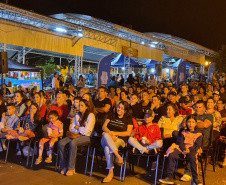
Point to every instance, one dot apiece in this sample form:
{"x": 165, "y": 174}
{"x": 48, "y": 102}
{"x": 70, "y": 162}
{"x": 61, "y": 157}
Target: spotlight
{"x": 80, "y": 34}
{"x": 142, "y": 42}
{"x": 152, "y": 70}
{"x": 152, "y": 46}
{"x": 61, "y": 30}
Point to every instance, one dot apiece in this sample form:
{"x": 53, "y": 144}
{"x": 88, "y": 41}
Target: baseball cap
{"x": 216, "y": 92}
{"x": 172, "y": 93}
{"x": 184, "y": 99}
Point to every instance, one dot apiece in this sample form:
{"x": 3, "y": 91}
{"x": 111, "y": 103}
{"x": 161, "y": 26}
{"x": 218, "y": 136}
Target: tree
{"x": 48, "y": 66}
{"x": 220, "y": 60}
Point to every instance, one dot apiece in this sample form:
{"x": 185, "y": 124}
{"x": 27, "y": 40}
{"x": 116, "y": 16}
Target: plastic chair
{"x": 21, "y": 149}
{"x": 96, "y": 145}
{"x": 157, "y": 155}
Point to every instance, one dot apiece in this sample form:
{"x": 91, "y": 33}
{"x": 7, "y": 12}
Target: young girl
{"x": 189, "y": 144}
{"x": 54, "y": 130}
{"x": 147, "y": 136}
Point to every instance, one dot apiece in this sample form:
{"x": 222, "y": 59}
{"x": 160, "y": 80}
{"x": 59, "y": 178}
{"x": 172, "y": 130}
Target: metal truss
{"x": 100, "y": 30}
{"x": 77, "y": 67}
{"x": 127, "y": 65}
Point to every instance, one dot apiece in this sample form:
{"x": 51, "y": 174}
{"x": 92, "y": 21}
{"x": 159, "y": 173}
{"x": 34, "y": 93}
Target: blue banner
{"x": 211, "y": 71}
{"x": 104, "y": 69}
{"x": 181, "y": 72}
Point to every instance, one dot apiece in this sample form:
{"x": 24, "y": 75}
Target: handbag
{"x": 72, "y": 135}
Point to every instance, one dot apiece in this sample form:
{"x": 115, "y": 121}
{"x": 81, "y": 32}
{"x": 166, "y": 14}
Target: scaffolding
{"x": 100, "y": 30}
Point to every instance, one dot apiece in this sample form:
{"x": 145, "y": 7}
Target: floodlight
{"x": 61, "y": 30}
{"x": 80, "y": 34}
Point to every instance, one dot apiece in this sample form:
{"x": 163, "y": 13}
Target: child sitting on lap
{"x": 55, "y": 130}
{"x": 189, "y": 145}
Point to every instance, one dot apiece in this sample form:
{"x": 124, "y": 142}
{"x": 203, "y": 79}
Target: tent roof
{"x": 119, "y": 61}
{"x": 14, "y": 66}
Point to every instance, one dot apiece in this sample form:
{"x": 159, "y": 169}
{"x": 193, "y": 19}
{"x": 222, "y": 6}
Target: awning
{"x": 120, "y": 60}
{"x": 14, "y": 66}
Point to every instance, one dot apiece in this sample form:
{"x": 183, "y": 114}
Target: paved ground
{"x": 14, "y": 172}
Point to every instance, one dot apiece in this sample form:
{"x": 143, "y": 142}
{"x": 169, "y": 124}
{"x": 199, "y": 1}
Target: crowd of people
{"x": 145, "y": 115}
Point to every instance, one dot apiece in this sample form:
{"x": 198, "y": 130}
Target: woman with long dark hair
{"x": 21, "y": 107}
{"x": 88, "y": 98}
{"x": 79, "y": 134}
{"x": 30, "y": 125}
{"x": 117, "y": 129}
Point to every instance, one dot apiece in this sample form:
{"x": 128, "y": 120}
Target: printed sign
{"x": 104, "y": 69}
{"x": 130, "y": 52}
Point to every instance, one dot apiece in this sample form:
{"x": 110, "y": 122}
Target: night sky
{"x": 199, "y": 21}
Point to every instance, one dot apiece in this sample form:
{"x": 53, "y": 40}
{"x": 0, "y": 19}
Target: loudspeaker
{"x": 158, "y": 69}
{"x": 3, "y": 62}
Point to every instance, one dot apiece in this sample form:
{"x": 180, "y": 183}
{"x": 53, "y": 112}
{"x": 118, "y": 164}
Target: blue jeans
{"x": 191, "y": 158}
{"x": 110, "y": 146}
{"x": 69, "y": 162}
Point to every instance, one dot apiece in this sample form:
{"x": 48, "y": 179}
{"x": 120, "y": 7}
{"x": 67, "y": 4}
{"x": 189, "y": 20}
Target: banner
{"x": 181, "y": 72}
{"x": 104, "y": 69}
{"x": 130, "y": 52}
{"x": 211, "y": 71}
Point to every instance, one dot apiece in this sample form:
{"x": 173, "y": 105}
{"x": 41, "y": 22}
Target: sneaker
{"x": 153, "y": 166}
{"x": 23, "y": 138}
{"x": 48, "y": 159}
{"x": 197, "y": 182}
{"x": 185, "y": 178}
{"x": 167, "y": 180}
{"x": 224, "y": 162}
{"x": 38, "y": 161}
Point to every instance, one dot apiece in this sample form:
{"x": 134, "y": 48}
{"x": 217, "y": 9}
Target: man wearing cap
{"x": 216, "y": 96}
{"x": 171, "y": 99}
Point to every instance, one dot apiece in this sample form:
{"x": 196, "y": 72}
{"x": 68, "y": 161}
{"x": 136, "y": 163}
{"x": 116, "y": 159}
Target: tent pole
{"x": 2, "y": 75}
{"x": 42, "y": 78}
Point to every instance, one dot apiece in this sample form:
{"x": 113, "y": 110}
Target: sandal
{"x": 38, "y": 161}
{"x": 48, "y": 159}
{"x": 70, "y": 172}
{"x": 119, "y": 163}
{"x": 23, "y": 138}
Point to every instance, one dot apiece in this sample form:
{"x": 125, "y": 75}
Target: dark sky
{"x": 200, "y": 21}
